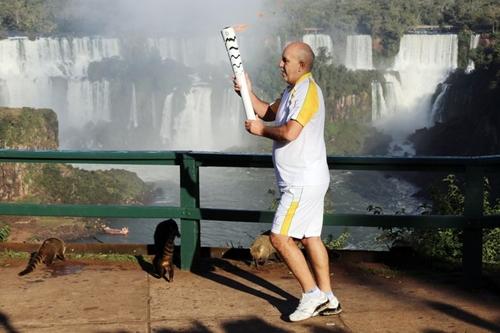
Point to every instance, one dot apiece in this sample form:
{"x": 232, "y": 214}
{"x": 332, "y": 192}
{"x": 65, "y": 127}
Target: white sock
{"x": 315, "y": 292}
{"x": 331, "y": 297}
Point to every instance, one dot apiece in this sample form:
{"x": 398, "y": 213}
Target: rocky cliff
{"x": 24, "y": 128}
{"x": 37, "y": 129}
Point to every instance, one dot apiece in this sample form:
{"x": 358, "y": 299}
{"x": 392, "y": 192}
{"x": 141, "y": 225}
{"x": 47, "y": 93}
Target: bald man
{"x": 299, "y": 158}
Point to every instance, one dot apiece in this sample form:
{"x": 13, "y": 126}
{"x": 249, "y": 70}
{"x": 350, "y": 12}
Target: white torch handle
{"x": 233, "y": 51}
{"x": 245, "y": 95}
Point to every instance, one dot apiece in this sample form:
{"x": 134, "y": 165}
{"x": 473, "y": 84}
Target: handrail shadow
{"x": 5, "y": 323}
{"x": 464, "y": 316}
{"x": 285, "y": 304}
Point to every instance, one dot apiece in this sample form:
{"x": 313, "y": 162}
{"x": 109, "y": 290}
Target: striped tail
{"x": 35, "y": 260}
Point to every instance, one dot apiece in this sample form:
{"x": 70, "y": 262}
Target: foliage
{"x": 487, "y": 62}
{"x": 66, "y": 184}
{"x": 31, "y": 17}
{"x": 443, "y": 242}
{"x": 385, "y": 20}
{"x": 337, "y": 243}
{"x": 4, "y": 232}
{"x": 26, "y": 127}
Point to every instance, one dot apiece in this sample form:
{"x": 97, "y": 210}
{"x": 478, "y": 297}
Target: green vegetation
{"x": 337, "y": 243}
{"x": 4, "y": 232}
{"x": 385, "y": 20}
{"x": 446, "y": 243}
{"x": 9, "y": 254}
{"x": 66, "y": 184}
{"x": 57, "y": 183}
{"x": 113, "y": 257}
{"x": 28, "y": 128}
{"x": 30, "y": 17}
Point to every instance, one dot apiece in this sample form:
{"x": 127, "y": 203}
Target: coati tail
{"x": 34, "y": 261}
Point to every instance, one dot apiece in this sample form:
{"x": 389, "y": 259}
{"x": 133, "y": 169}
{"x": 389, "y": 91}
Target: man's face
{"x": 291, "y": 69}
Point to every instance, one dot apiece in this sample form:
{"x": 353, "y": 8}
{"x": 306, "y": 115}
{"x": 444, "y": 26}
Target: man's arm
{"x": 262, "y": 109}
{"x": 285, "y": 133}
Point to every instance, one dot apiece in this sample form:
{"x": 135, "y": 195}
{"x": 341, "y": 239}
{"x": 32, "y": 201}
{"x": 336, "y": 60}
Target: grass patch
{"x": 9, "y": 254}
{"x": 51, "y": 221}
{"x": 114, "y": 257}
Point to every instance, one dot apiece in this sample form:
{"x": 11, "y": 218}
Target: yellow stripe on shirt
{"x": 288, "y": 218}
{"x": 310, "y": 105}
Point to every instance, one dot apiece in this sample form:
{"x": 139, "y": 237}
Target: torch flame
{"x": 240, "y": 27}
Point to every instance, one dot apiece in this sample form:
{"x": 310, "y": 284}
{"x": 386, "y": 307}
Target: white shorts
{"x": 300, "y": 211}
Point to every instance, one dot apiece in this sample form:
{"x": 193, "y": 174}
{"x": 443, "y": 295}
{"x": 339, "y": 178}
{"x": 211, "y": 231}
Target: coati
{"x": 164, "y": 237}
{"x": 262, "y": 249}
{"x": 51, "y": 249}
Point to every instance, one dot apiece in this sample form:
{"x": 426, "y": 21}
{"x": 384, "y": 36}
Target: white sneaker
{"x": 330, "y": 310}
{"x": 309, "y": 306}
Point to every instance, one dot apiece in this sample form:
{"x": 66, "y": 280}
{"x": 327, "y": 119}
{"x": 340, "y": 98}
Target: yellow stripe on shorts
{"x": 288, "y": 218}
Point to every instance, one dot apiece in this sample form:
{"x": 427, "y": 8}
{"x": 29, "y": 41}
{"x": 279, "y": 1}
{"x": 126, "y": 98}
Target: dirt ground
{"x": 229, "y": 295}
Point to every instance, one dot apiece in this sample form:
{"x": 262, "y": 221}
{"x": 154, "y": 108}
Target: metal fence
{"x": 190, "y": 213}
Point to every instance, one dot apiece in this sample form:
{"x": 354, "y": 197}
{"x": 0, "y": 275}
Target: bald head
{"x": 304, "y": 54}
{"x": 297, "y": 59}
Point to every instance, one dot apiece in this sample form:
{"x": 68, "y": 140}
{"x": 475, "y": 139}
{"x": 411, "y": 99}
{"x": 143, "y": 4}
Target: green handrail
{"x": 190, "y": 212}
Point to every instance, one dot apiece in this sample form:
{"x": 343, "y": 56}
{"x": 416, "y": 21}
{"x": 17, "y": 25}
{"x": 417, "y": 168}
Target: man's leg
{"x": 295, "y": 260}
{"x": 318, "y": 257}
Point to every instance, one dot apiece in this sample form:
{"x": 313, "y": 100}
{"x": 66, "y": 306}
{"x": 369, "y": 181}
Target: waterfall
{"x": 474, "y": 42}
{"x": 53, "y": 73}
{"x": 318, "y": 41}
{"x": 53, "y": 57}
{"x": 166, "y": 127}
{"x": 379, "y": 107}
{"x": 359, "y": 52}
{"x": 423, "y": 62}
{"x": 193, "y": 126}
{"x": 189, "y": 51}
{"x": 133, "y": 121}
{"x": 437, "y": 52}
{"x": 438, "y": 103}
{"x": 87, "y": 102}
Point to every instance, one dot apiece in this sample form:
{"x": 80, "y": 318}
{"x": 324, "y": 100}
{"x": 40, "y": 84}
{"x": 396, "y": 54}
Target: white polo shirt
{"x": 302, "y": 162}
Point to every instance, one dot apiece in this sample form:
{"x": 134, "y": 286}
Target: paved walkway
{"x": 230, "y": 296}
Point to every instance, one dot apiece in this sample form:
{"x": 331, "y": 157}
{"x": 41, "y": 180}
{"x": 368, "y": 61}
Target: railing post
{"x": 190, "y": 198}
{"x": 472, "y": 251}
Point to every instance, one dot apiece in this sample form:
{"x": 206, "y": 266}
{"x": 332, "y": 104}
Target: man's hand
{"x": 236, "y": 85}
{"x": 255, "y": 127}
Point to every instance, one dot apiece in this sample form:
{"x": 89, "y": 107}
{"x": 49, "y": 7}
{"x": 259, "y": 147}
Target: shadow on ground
{"x": 285, "y": 303}
{"x": 6, "y": 325}
{"x": 250, "y": 325}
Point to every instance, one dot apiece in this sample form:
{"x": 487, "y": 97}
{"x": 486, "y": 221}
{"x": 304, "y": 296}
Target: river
{"x": 254, "y": 189}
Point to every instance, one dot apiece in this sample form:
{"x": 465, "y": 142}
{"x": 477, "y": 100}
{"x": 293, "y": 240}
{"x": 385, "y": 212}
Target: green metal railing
{"x": 190, "y": 213}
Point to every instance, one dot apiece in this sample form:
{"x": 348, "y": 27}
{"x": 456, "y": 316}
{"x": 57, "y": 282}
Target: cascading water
{"x": 53, "y": 73}
{"x": 133, "y": 121}
{"x": 474, "y": 43}
{"x": 422, "y": 63}
{"x": 438, "y": 103}
{"x": 378, "y": 101}
{"x": 189, "y": 51}
{"x": 359, "y": 52}
{"x": 318, "y": 42}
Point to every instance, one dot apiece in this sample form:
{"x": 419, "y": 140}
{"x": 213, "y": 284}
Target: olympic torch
{"x": 233, "y": 51}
